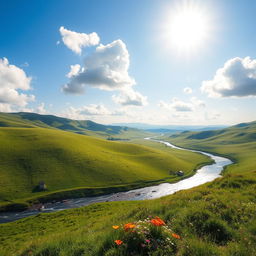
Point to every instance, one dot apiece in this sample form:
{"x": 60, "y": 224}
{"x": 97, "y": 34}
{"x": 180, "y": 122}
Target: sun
{"x": 188, "y": 28}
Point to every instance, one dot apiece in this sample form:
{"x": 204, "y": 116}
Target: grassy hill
{"x": 237, "y": 142}
{"x": 66, "y": 161}
{"x": 87, "y": 127}
{"x": 215, "y": 219}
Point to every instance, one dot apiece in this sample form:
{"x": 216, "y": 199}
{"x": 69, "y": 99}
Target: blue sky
{"x": 146, "y": 84}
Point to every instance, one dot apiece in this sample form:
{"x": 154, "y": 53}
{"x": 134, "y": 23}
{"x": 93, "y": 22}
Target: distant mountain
{"x": 240, "y": 133}
{"x": 26, "y": 120}
{"x": 237, "y": 142}
{"x": 171, "y": 128}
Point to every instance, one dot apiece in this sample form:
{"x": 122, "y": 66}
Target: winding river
{"x": 205, "y": 174}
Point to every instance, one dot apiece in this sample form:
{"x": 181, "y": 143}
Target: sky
{"x": 158, "y": 62}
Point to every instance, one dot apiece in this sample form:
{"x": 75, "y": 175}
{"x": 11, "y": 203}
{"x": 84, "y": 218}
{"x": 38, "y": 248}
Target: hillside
{"x": 87, "y": 127}
{"x": 69, "y": 161}
{"x": 215, "y": 219}
{"x": 237, "y": 142}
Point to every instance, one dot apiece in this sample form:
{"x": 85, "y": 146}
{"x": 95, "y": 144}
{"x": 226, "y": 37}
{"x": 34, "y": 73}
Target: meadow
{"x": 214, "y": 219}
{"x": 217, "y": 218}
{"x": 74, "y": 165}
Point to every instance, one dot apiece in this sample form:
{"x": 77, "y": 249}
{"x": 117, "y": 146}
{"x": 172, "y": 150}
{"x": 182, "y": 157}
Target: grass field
{"x": 214, "y": 219}
{"x": 237, "y": 142}
{"x": 67, "y": 161}
{"x": 86, "y": 127}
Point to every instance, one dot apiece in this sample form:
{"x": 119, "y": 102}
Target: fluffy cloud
{"x": 13, "y": 79}
{"x": 237, "y": 78}
{"x": 106, "y": 69}
{"x": 177, "y": 105}
{"x": 41, "y": 109}
{"x": 74, "y": 70}
{"x": 187, "y": 90}
{"x": 130, "y": 97}
{"x": 91, "y": 111}
{"x": 5, "y": 107}
{"x": 94, "y": 109}
{"x": 182, "y": 106}
{"x": 76, "y": 41}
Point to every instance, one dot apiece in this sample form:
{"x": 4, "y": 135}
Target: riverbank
{"x": 216, "y": 218}
{"x": 28, "y": 203}
{"x": 204, "y": 174}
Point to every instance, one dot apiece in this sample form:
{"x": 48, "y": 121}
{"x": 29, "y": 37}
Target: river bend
{"x": 204, "y": 174}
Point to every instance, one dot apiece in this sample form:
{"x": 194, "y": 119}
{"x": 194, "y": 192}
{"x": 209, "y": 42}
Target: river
{"x": 204, "y": 174}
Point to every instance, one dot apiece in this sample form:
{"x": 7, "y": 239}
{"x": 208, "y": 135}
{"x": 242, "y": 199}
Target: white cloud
{"x": 130, "y": 97}
{"x": 187, "y": 90}
{"x": 106, "y": 69}
{"x": 74, "y": 70}
{"x": 41, "y": 109}
{"x": 197, "y": 102}
{"x": 94, "y": 109}
{"x": 91, "y": 111}
{"x": 237, "y": 78}
{"x": 76, "y": 41}
{"x": 12, "y": 80}
{"x": 5, "y": 107}
{"x": 72, "y": 113}
{"x": 177, "y": 105}
{"x": 181, "y": 106}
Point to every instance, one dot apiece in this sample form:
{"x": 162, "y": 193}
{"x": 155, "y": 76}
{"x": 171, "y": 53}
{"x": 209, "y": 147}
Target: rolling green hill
{"x": 215, "y": 219}
{"x": 66, "y": 161}
{"x": 87, "y": 127}
{"x": 237, "y": 142}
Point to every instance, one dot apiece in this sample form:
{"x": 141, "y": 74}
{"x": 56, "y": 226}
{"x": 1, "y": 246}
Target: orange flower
{"x": 115, "y": 227}
{"x": 129, "y": 226}
{"x": 157, "y": 221}
{"x": 176, "y": 236}
{"x": 118, "y": 242}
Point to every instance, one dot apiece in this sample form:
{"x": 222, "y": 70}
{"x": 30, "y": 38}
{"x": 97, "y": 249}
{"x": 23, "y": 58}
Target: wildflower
{"x": 157, "y": 222}
{"x": 147, "y": 241}
{"x": 129, "y": 226}
{"x": 118, "y": 242}
{"x": 115, "y": 227}
{"x": 175, "y": 236}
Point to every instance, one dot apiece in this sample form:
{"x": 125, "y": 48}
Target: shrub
{"x": 145, "y": 237}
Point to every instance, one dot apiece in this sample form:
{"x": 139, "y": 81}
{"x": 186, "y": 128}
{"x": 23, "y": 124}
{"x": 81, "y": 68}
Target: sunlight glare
{"x": 187, "y": 28}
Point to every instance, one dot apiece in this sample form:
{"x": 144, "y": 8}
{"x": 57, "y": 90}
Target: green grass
{"x": 214, "y": 219}
{"x": 74, "y": 165}
{"x": 237, "y": 142}
{"x": 86, "y": 127}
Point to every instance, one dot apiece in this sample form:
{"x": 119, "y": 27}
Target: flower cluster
{"x": 146, "y": 236}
